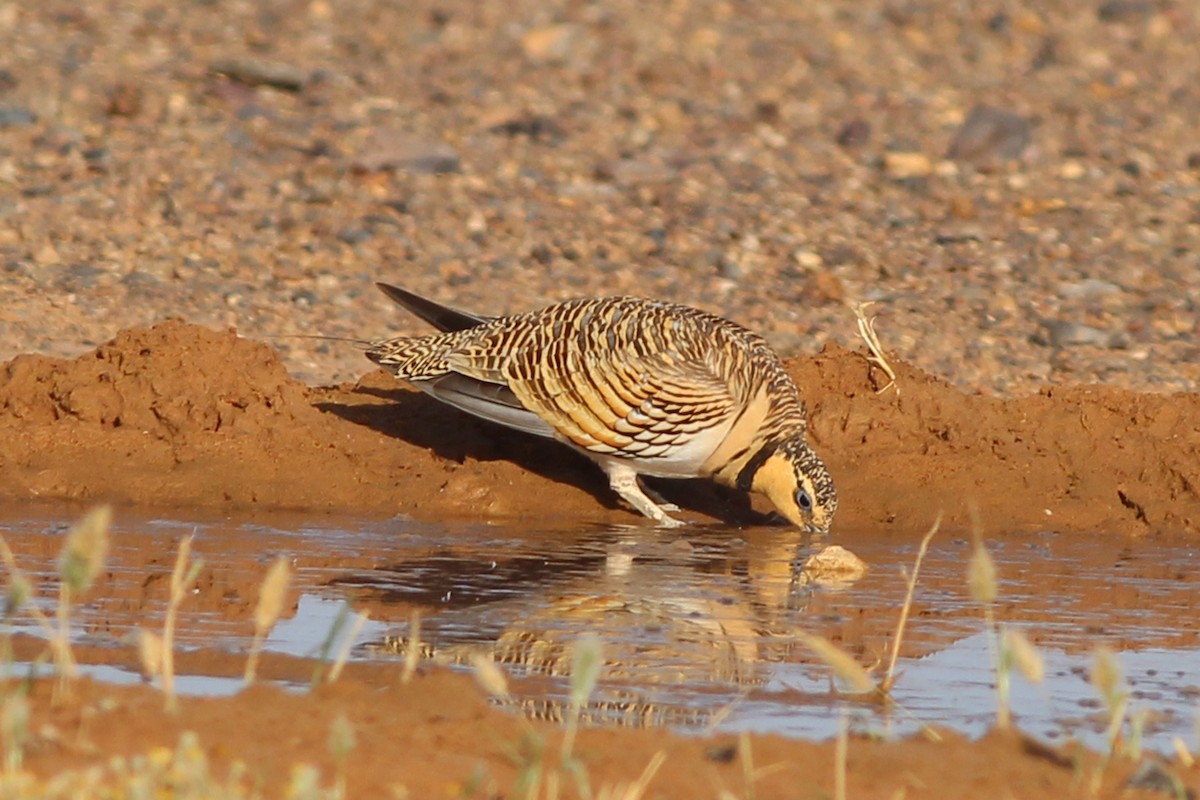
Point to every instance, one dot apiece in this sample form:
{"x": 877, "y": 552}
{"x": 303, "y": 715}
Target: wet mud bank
{"x": 177, "y": 415}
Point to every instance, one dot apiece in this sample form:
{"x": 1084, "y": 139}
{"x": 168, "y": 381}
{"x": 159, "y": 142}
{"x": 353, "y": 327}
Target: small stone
{"x": 125, "y": 100}
{"x": 833, "y": 567}
{"x": 139, "y": 279}
{"x": 1193, "y": 161}
{"x": 1088, "y": 287}
{"x": 551, "y": 43}
{"x": 631, "y": 172}
{"x": 808, "y": 259}
{"x": 46, "y": 254}
{"x": 12, "y": 116}
{"x": 954, "y": 234}
{"x": 854, "y": 134}
{"x": 538, "y": 127}
{"x": 903, "y": 165}
{"x": 410, "y": 152}
{"x": 1072, "y": 171}
{"x": 822, "y": 287}
{"x": 1061, "y": 333}
{"x": 255, "y": 72}
{"x": 989, "y": 135}
{"x": 80, "y": 276}
{"x": 1124, "y": 10}
{"x": 353, "y": 236}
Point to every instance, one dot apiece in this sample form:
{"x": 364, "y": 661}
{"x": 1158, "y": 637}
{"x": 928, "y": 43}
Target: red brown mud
{"x": 181, "y": 416}
{"x": 177, "y": 416}
{"x": 435, "y": 737}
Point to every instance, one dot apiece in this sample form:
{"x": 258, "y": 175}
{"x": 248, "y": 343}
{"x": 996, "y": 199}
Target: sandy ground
{"x": 1015, "y": 189}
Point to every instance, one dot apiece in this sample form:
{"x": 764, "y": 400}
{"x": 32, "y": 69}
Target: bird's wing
{"x": 636, "y": 405}
{"x": 490, "y": 401}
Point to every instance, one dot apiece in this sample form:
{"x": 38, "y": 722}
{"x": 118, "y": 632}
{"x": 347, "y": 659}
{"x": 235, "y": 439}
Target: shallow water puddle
{"x": 698, "y": 628}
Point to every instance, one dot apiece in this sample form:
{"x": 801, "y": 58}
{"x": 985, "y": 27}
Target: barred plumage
{"x": 640, "y": 386}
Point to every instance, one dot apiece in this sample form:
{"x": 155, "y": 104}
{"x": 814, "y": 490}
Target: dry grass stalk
{"x": 182, "y": 578}
{"x": 412, "y": 653}
{"x": 347, "y": 644}
{"x": 17, "y": 595}
{"x": 637, "y": 789}
{"x": 586, "y": 662}
{"x": 150, "y": 653}
{"x": 840, "y": 756}
{"x": 849, "y": 672}
{"x": 866, "y": 329}
{"x": 489, "y": 676}
{"x": 1109, "y": 682}
{"x": 983, "y": 587}
{"x": 269, "y": 608}
{"x": 889, "y": 679}
{"x": 1024, "y": 655}
{"x": 79, "y": 564}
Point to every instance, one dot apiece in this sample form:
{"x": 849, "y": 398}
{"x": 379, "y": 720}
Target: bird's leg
{"x": 624, "y": 481}
{"x": 659, "y": 500}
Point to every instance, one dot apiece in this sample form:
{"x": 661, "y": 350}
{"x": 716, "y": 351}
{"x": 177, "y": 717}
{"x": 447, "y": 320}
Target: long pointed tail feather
{"x": 439, "y": 316}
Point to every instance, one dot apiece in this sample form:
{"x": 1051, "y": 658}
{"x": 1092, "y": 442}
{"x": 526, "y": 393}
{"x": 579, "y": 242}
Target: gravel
{"x": 1016, "y": 189}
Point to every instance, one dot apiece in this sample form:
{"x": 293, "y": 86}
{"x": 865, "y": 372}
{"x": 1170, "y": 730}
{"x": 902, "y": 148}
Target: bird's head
{"x": 795, "y": 479}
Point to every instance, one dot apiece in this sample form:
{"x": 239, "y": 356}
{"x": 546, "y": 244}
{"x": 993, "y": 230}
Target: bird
{"x": 641, "y": 387}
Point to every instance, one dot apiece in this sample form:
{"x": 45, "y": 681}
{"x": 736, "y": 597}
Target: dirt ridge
{"x": 177, "y": 415}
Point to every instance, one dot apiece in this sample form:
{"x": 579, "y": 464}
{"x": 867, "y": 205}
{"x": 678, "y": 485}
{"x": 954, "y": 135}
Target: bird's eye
{"x": 803, "y": 500}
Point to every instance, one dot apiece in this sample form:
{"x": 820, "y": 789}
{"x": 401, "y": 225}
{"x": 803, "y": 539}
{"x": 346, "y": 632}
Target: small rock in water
{"x": 990, "y": 135}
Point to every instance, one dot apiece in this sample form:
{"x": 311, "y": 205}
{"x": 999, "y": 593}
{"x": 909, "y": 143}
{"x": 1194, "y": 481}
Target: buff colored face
{"x": 794, "y": 494}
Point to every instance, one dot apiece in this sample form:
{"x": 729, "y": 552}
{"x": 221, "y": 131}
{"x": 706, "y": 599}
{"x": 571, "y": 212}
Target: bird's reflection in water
{"x": 686, "y": 624}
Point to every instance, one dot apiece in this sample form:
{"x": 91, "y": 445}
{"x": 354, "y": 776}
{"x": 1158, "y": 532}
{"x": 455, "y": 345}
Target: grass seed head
{"x": 86, "y": 548}
{"x": 489, "y": 676}
{"x": 1022, "y": 654}
{"x": 271, "y": 597}
{"x": 849, "y": 672}
{"x": 1107, "y": 679}
{"x": 342, "y": 739}
{"x": 150, "y": 652}
{"x": 585, "y": 667}
{"x": 18, "y": 593}
{"x": 981, "y": 575}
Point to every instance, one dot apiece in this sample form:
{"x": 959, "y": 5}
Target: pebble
{"x": 256, "y": 72}
{"x": 1072, "y": 171}
{"x": 903, "y": 165}
{"x": 989, "y": 135}
{"x": 1088, "y": 287}
{"x": 632, "y": 172}
{"x": 854, "y": 134}
{"x": 953, "y": 234}
{"x": 12, "y": 116}
{"x": 539, "y": 127}
{"x": 1061, "y": 333}
{"x": 392, "y": 149}
{"x": 1124, "y": 10}
{"x": 551, "y": 43}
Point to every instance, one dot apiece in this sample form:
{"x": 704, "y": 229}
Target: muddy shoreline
{"x": 181, "y": 416}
